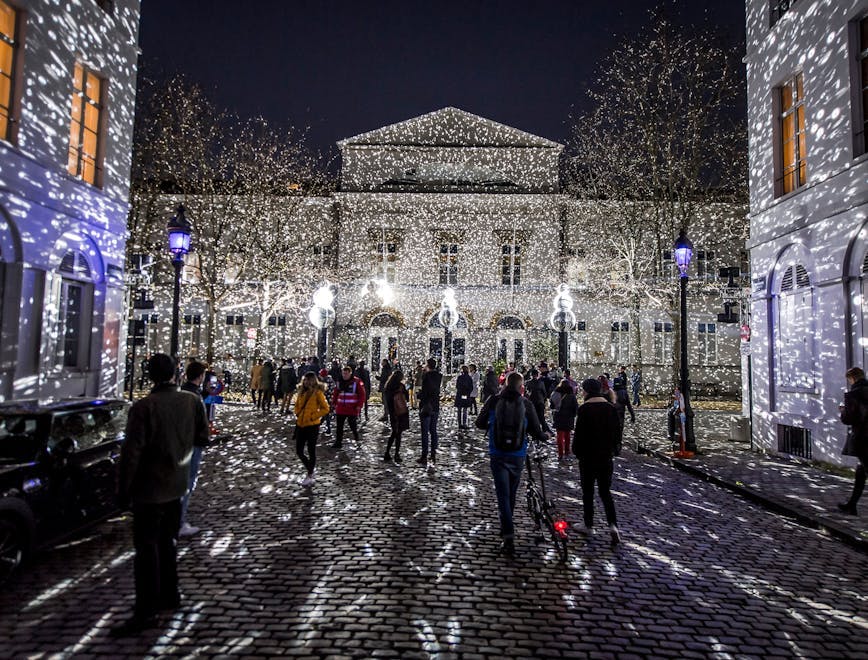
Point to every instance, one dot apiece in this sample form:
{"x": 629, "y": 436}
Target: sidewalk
{"x": 796, "y": 489}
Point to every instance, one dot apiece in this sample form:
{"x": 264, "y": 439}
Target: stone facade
{"x": 808, "y": 211}
{"x": 61, "y": 238}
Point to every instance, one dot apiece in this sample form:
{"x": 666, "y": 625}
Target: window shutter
{"x": 802, "y": 279}
{"x": 787, "y": 282}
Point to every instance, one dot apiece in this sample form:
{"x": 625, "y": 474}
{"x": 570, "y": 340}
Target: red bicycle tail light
{"x": 561, "y": 527}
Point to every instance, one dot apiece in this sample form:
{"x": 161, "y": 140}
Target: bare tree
{"x": 241, "y": 182}
{"x": 664, "y": 141}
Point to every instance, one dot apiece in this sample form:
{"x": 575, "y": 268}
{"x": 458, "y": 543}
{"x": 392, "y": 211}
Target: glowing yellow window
{"x": 793, "y": 171}
{"x": 8, "y": 56}
{"x": 85, "y": 125}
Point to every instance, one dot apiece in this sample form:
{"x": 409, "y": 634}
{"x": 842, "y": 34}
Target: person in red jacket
{"x": 348, "y": 399}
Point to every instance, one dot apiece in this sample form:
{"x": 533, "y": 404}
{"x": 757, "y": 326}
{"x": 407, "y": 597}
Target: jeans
{"x": 636, "y": 395}
{"x": 462, "y": 417}
{"x": 155, "y": 537}
{"x": 506, "y": 471}
{"x": 601, "y": 473}
{"x": 306, "y": 437}
{"x": 429, "y": 427}
{"x": 195, "y": 460}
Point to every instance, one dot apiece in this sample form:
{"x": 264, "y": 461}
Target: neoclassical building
{"x": 807, "y": 65}
{"x": 68, "y": 73}
{"x": 453, "y": 201}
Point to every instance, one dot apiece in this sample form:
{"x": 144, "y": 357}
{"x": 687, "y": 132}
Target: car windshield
{"x": 19, "y": 441}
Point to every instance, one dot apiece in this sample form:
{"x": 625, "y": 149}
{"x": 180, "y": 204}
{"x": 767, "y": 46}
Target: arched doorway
{"x": 510, "y": 340}
{"x": 383, "y": 339}
{"x": 436, "y": 337}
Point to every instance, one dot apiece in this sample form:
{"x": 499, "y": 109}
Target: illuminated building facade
{"x": 67, "y": 95}
{"x": 807, "y": 66}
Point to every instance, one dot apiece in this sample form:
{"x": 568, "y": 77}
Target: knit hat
{"x": 591, "y": 386}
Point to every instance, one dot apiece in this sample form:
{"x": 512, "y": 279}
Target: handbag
{"x": 848, "y": 449}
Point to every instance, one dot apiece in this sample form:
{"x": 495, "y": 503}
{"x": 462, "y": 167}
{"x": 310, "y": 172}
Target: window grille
{"x": 794, "y": 441}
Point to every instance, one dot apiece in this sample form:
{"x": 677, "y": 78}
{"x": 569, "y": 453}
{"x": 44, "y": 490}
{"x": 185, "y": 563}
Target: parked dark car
{"x": 57, "y": 471}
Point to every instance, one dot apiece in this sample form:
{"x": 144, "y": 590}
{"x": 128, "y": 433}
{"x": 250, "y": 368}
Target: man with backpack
{"x": 508, "y": 418}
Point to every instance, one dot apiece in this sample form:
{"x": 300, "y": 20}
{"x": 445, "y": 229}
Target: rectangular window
{"x": 385, "y": 261}
{"x": 579, "y": 352}
{"x": 449, "y": 264}
{"x": 778, "y": 8}
{"x": 620, "y": 342}
{"x": 667, "y": 265}
{"x": 707, "y": 343}
{"x": 792, "y": 170}
{"x": 794, "y": 440}
{"x": 510, "y": 264}
{"x": 705, "y": 265}
{"x": 84, "y": 132}
{"x": 9, "y": 48}
{"x": 323, "y": 253}
{"x": 859, "y": 37}
{"x": 72, "y": 338}
{"x": 663, "y": 342}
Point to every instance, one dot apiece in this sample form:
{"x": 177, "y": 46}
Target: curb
{"x": 824, "y": 525}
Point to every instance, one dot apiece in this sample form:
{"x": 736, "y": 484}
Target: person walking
{"x": 348, "y": 398}
{"x": 195, "y": 375}
{"x": 153, "y": 476}
{"x": 255, "y": 374}
{"x": 622, "y": 396}
{"x": 564, "y": 408}
{"x": 310, "y": 407}
{"x": 329, "y": 385}
{"x": 418, "y": 372}
{"x": 636, "y": 384}
{"x": 287, "y": 382}
{"x": 429, "y": 411}
{"x": 474, "y": 393}
{"x": 395, "y": 396}
{"x": 463, "y": 388}
{"x": 535, "y": 390}
{"x": 364, "y": 375}
{"x": 508, "y": 418}
{"x": 266, "y": 386}
{"x": 383, "y": 378}
{"x": 597, "y": 436}
{"x": 490, "y": 385}
{"x": 854, "y": 412}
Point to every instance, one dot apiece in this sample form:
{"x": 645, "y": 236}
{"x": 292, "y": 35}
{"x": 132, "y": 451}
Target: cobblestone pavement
{"x": 397, "y": 561}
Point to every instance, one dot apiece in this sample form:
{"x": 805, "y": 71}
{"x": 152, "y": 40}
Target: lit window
{"x": 792, "y": 171}
{"x": 8, "y": 61}
{"x": 449, "y": 264}
{"x": 860, "y": 86}
{"x": 84, "y": 131}
{"x": 663, "y": 342}
{"x": 620, "y": 342}
{"x": 707, "y": 343}
{"x": 510, "y": 264}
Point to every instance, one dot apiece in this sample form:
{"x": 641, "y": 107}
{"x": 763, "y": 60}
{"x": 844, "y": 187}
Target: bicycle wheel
{"x": 559, "y": 540}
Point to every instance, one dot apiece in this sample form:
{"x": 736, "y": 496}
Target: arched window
{"x": 434, "y": 322}
{"x": 510, "y": 323}
{"x": 384, "y": 321}
{"x": 74, "y": 298}
{"x": 795, "y": 332}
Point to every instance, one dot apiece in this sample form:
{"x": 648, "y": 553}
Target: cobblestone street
{"x": 379, "y": 560}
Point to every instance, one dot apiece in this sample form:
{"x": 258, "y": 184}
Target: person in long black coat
{"x": 463, "y": 389}
{"x": 565, "y": 406}
{"x": 854, "y": 412}
{"x": 595, "y": 442}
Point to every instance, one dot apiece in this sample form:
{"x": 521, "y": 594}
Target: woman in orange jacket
{"x": 310, "y": 406}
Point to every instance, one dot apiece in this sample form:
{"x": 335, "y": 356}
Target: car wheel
{"x": 13, "y": 543}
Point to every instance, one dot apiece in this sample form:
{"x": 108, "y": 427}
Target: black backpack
{"x": 509, "y": 424}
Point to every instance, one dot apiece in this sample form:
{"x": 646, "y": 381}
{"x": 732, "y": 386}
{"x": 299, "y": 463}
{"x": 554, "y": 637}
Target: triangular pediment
{"x": 450, "y": 127}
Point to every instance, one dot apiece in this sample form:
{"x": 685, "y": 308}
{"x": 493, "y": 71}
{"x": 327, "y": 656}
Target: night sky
{"x": 343, "y": 67}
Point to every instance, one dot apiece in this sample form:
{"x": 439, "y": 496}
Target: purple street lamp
{"x": 179, "y": 230}
{"x": 683, "y": 249}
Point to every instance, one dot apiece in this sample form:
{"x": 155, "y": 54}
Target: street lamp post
{"x": 562, "y": 321}
{"x": 448, "y": 318}
{"x": 322, "y": 315}
{"x": 683, "y": 252}
{"x": 179, "y": 230}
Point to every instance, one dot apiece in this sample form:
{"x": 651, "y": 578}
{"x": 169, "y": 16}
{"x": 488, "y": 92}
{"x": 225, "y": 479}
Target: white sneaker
{"x": 188, "y": 530}
{"x": 308, "y": 480}
{"x": 616, "y": 535}
{"x": 587, "y": 531}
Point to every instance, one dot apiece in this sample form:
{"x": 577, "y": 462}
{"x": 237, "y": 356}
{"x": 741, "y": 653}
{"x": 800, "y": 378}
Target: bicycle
{"x": 542, "y": 509}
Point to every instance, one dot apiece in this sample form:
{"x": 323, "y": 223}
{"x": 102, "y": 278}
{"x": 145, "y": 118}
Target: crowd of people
{"x": 167, "y": 430}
